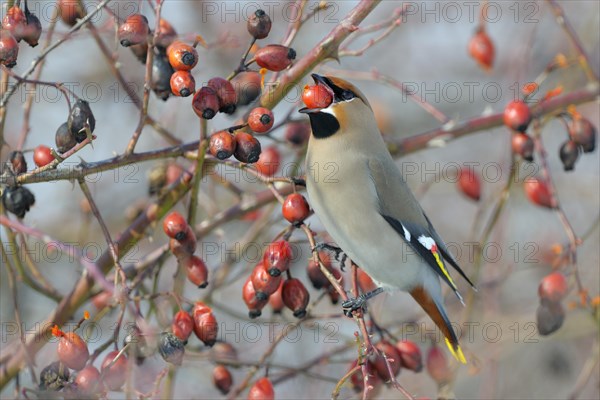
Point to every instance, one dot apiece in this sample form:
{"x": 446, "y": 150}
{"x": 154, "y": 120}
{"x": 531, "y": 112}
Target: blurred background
{"x": 428, "y": 52}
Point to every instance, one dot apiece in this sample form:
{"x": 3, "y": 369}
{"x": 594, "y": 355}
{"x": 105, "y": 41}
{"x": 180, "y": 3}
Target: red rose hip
{"x": 295, "y": 297}
{"x": 295, "y": 208}
{"x": 260, "y": 119}
{"x": 553, "y": 287}
{"x": 517, "y": 115}
{"x": 317, "y": 96}
{"x": 175, "y": 226}
{"x": 42, "y": 155}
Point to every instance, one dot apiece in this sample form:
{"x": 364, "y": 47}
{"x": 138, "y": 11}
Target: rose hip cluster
{"x": 200, "y": 320}
{"x": 581, "y": 134}
{"x": 18, "y": 199}
{"x": 73, "y": 354}
{"x": 404, "y": 354}
{"x": 17, "y": 25}
{"x": 550, "y": 313}
{"x": 183, "y": 246}
{"x": 581, "y": 139}
{"x": 266, "y": 285}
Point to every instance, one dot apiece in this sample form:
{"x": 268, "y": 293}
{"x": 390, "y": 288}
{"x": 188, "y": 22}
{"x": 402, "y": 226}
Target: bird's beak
{"x": 321, "y": 81}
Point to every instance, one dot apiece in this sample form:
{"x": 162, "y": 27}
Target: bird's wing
{"x": 446, "y": 253}
{"x": 401, "y": 210}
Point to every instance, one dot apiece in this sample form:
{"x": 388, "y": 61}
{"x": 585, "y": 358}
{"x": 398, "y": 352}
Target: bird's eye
{"x": 347, "y": 95}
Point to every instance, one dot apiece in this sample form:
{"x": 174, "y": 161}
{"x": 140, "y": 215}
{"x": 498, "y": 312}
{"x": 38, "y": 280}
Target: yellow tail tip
{"x": 456, "y": 352}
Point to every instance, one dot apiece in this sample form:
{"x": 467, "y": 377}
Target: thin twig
{"x": 147, "y": 84}
{"x": 564, "y": 23}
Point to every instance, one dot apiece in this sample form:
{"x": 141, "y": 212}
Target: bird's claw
{"x": 354, "y": 304}
{"x": 359, "y": 302}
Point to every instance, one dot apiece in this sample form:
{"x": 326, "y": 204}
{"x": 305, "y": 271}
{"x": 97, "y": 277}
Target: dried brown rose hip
{"x": 80, "y": 116}
{"x": 182, "y": 83}
{"x": 70, "y": 11}
{"x": 182, "y": 56}
{"x": 247, "y": 148}
{"x": 17, "y": 162}
{"x": 18, "y": 200}
{"x": 171, "y": 348}
{"x": 261, "y": 119}
{"x": 553, "y": 287}
{"x": 522, "y": 144}
{"x": 469, "y": 183}
{"x": 583, "y": 132}
{"x": 226, "y": 94}
{"x": 295, "y": 208}
{"x": 254, "y": 304}
{"x": 64, "y": 139}
{"x": 222, "y": 379}
{"x": 517, "y": 115}
{"x": 54, "y": 376}
{"x": 481, "y": 48}
{"x": 275, "y": 57}
{"x": 33, "y": 29}
{"x": 114, "y": 375}
{"x": 295, "y": 297}
{"x": 196, "y": 270}
{"x": 205, "y": 324}
{"x": 183, "y": 325}
{"x": 221, "y": 145}
{"x": 205, "y": 103}
{"x": 569, "y": 153}
{"x": 277, "y": 257}
{"x": 161, "y": 74}
{"x": 410, "y": 355}
{"x": 134, "y": 30}
{"x": 268, "y": 162}
{"x": 9, "y": 49}
{"x": 550, "y": 317}
{"x": 262, "y": 390}
{"x": 264, "y": 283}
{"x": 259, "y": 24}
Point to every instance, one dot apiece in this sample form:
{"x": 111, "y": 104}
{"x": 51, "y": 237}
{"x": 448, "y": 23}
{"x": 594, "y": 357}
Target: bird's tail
{"x": 435, "y": 310}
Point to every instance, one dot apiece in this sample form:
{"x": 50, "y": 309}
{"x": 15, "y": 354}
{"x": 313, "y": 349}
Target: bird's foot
{"x": 339, "y": 254}
{"x": 359, "y": 302}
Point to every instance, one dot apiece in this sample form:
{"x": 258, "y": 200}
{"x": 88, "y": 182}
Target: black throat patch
{"x": 323, "y": 125}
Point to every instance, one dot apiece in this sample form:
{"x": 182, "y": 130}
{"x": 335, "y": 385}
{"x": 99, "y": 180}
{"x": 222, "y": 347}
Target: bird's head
{"x": 349, "y": 108}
